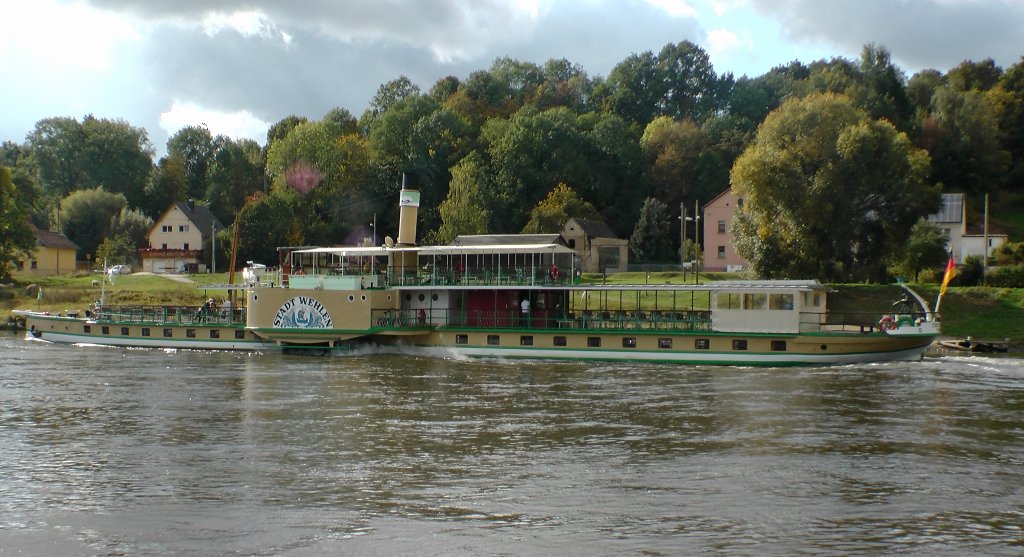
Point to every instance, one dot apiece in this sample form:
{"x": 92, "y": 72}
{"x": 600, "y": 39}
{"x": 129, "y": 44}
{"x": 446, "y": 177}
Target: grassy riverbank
{"x": 979, "y": 312}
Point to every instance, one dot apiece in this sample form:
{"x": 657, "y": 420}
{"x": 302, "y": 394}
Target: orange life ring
{"x": 553, "y": 272}
{"x": 886, "y": 323}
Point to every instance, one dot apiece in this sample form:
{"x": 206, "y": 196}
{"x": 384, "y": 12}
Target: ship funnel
{"x": 408, "y": 207}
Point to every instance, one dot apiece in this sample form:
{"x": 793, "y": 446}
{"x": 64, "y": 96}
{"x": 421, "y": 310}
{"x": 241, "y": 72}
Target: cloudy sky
{"x": 239, "y": 65}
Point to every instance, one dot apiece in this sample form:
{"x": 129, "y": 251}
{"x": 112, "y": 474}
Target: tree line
{"x": 837, "y": 159}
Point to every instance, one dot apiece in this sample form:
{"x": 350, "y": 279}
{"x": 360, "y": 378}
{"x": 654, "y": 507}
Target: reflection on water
{"x": 140, "y": 452}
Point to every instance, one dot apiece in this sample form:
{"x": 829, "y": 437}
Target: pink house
{"x": 719, "y": 252}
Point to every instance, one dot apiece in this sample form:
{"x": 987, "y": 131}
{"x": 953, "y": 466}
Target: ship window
{"x": 739, "y": 344}
{"x": 421, "y": 297}
{"x": 780, "y": 301}
{"x": 105, "y": 330}
{"x": 629, "y": 342}
{"x": 702, "y": 343}
{"x": 363, "y": 297}
{"x": 433, "y": 297}
{"x": 461, "y": 339}
{"x": 124, "y": 331}
{"x": 559, "y": 341}
{"x": 214, "y": 333}
{"x": 351, "y": 298}
{"x": 664, "y": 343}
{"x": 728, "y": 300}
{"x": 755, "y": 301}
{"x": 145, "y": 331}
{"x": 493, "y": 339}
{"x": 168, "y": 333}
{"x": 190, "y": 333}
{"x": 778, "y": 346}
{"x": 87, "y": 329}
{"x": 239, "y": 334}
{"x": 526, "y": 340}
{"x": 594, "y": 342}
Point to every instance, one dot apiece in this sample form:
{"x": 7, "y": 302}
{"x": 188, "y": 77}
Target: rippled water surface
{"x": 147, "y": 452}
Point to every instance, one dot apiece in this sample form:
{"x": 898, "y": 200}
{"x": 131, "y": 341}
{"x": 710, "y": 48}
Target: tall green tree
{"x": 194, "y": 144}
{"x": 118, "y": 157}
{"x": 464, "y": 211}
{"x": 56, "y": 146}
{"x": 16, "y": 238}
{"x": 87, "y": 217}
{"x": 235, "y": 173}
{"x": 962, "y": 136}
{"x": 650, "y": 239}
{"x": 819, "y": 162}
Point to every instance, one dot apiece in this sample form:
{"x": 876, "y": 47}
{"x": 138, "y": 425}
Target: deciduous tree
{"x": 16, "y": 238}
{"x": 829, "y": 193}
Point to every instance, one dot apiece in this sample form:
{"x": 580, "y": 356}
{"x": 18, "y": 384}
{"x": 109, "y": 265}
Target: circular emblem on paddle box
{"x": 302, "y": 312}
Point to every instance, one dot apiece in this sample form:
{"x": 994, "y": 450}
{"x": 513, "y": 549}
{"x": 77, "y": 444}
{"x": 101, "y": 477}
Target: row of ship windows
{"x": 627, "y": 342}
{"x": 168, "y": 333}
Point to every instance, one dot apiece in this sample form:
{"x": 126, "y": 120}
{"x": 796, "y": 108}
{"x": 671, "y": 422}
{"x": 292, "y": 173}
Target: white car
{"x": 120, "y": 270}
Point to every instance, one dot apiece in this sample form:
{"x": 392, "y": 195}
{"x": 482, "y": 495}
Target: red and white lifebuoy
{"x": 886, "y": 323}
{"x": 553, "y": 272}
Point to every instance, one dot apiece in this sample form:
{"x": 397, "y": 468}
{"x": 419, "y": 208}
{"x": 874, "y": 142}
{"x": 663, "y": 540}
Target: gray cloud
{"x": 919, "y": 34}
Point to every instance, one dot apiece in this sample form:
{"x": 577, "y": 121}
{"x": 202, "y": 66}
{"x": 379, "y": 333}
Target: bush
{"x": 1008, "y": 276}
{"x": 971, "y": 273}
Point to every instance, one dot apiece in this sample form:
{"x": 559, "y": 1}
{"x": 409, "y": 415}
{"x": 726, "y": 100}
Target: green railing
{"x": 170, "y": 315}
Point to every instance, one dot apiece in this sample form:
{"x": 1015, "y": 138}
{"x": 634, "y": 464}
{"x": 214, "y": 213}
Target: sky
{"x": 238, "y": 66}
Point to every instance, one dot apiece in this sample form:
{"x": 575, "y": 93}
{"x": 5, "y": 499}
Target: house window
{"x": 721, "y": 252}
{"x": 739, "y": 344}
{"x": 629, "y": 342}
{"x": 34, "y": 265}
{"x": 166, "y": 228}
{"x": 163, "y": 246}
{"x": 186, "y": 246}
{"x": 183, "y": 228}
{"x": 572, "y": 243}
{"x": 559, "y": 341}
{"x": 665, "y": 343}
{"x": 721, "y": 227}
{"x": 461, "y": 339}
{"x": 594, "y": 342}
{"x": 493, "y": 340}
{"x": 526, "y": 340}
{"x": 702, "y": 343}
{"x": 19, "y": 266}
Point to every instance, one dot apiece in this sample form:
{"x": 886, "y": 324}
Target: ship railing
{"x": 170, "y": 315}
{"x": 541, "y": 319}
{"x": 477, "y": 276}
{"x": 855, "y": 322}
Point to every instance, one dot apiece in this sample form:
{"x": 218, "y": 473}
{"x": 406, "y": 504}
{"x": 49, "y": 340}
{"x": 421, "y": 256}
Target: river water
{"x": 108, "y": 451}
